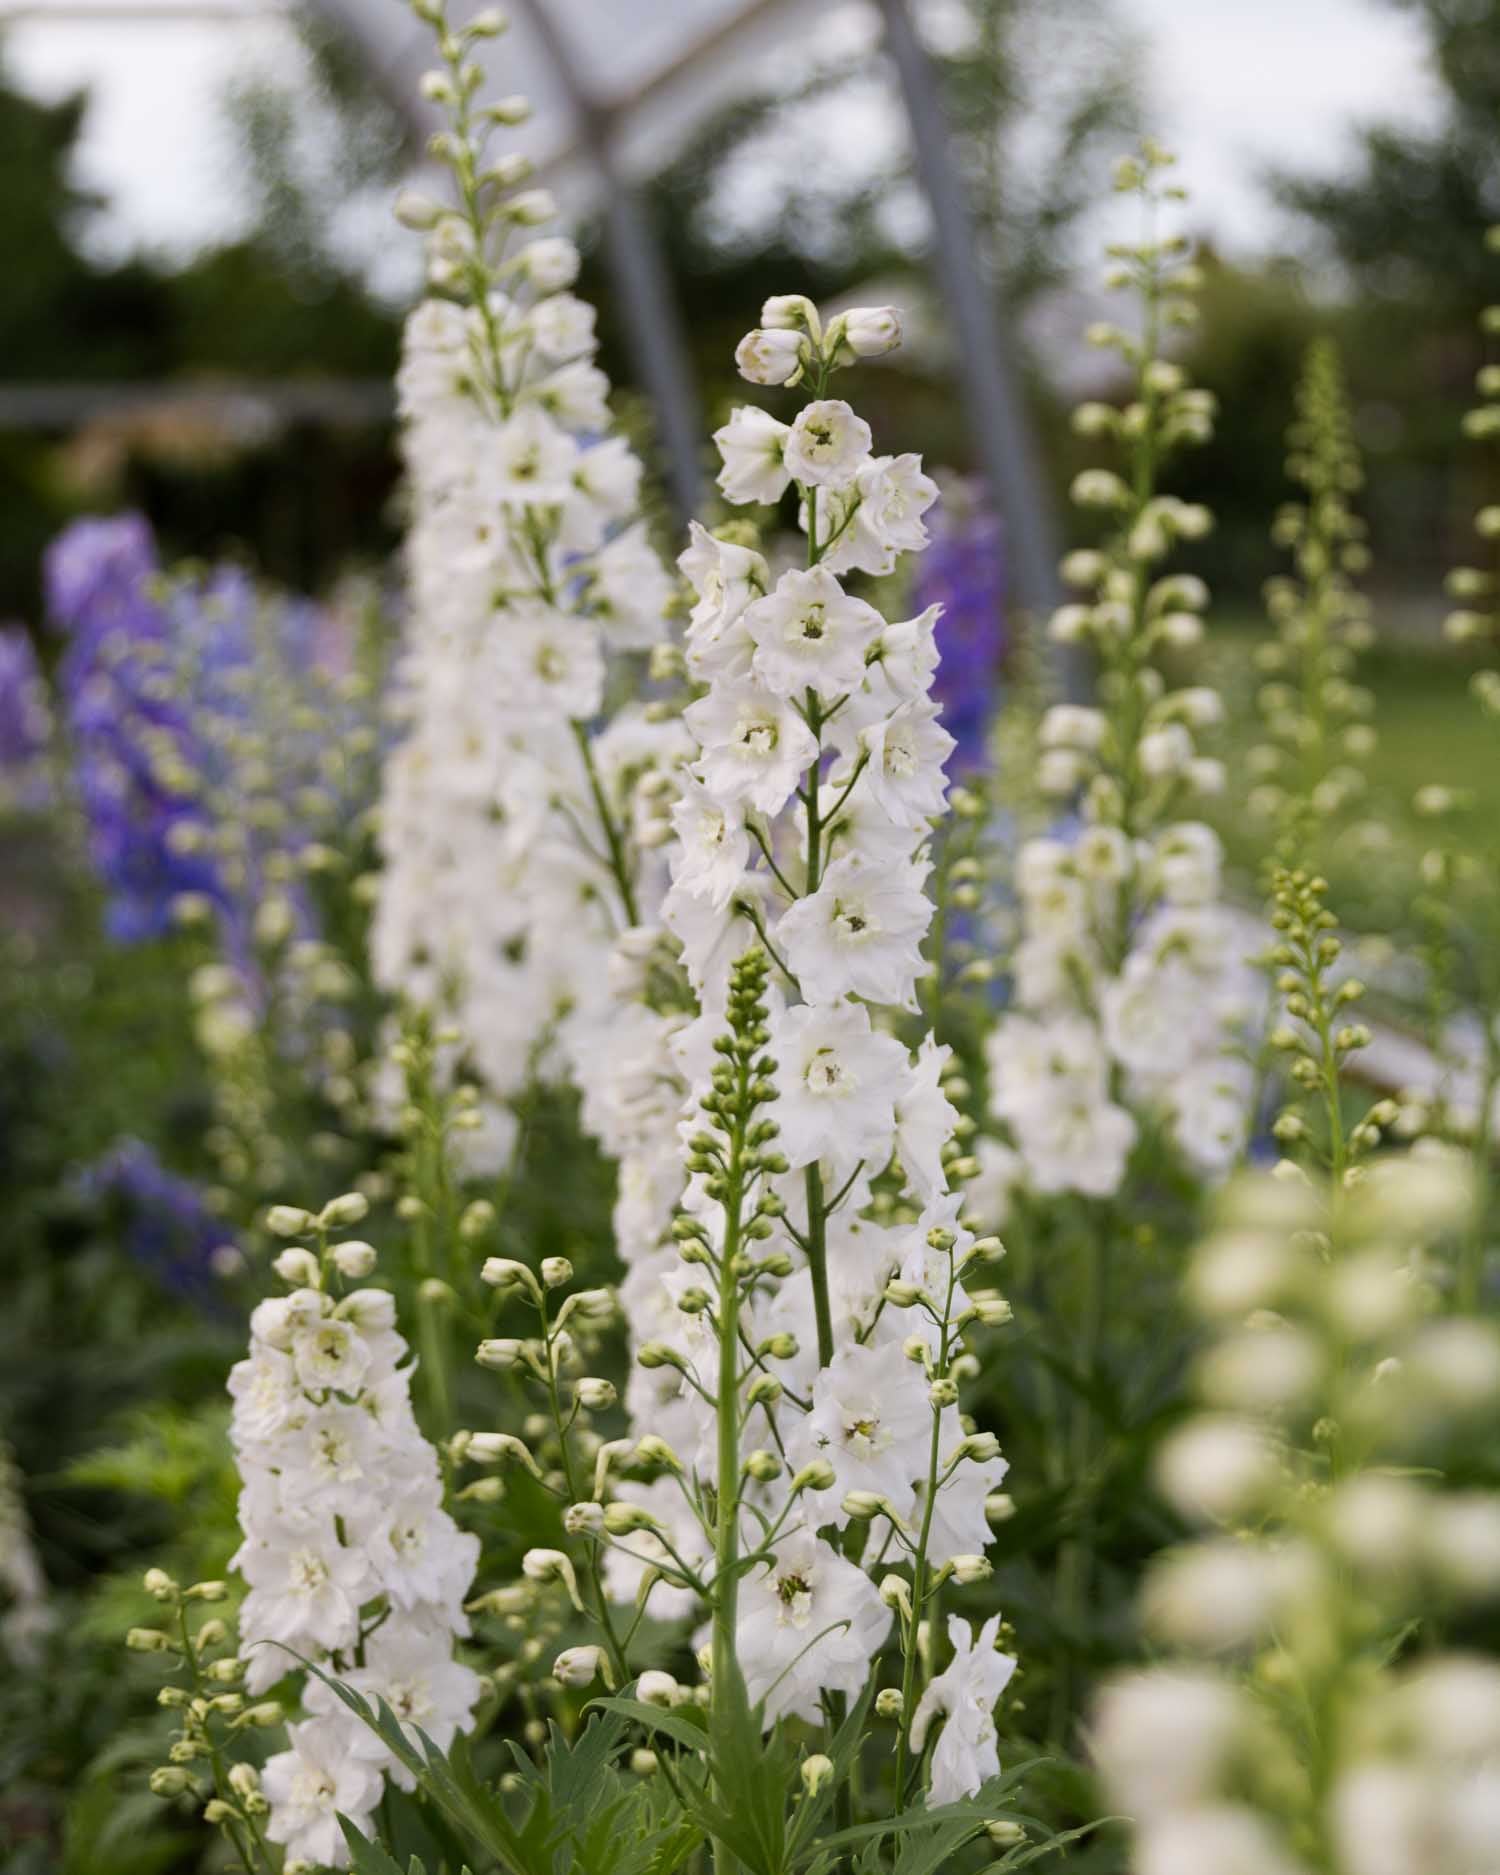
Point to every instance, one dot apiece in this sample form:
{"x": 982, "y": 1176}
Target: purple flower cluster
{"x": 199, "y": 711}
{"x": 164, "y": 1223}
{"x": 131, "y": 736}
{"x": 25, "y": 724}
{"x": 963, "y": 570}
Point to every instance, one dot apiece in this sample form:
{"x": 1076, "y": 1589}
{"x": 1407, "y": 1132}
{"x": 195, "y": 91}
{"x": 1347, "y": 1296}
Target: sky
{"x": 1234, "y": 86}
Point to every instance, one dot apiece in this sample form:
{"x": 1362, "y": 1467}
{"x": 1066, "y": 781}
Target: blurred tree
{"x": 1405, "y": 227}
{"x": 276, "y": 303}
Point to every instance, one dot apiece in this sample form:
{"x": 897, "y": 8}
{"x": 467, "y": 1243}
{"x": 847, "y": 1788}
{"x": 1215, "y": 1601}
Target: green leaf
{"x": 368, "y": 1858}
{"x": 688, "y": 1731}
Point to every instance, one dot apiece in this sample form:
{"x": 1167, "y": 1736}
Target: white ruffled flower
{"x": 310, "y": 1786}
{"x": 839, "y": 1080}
{"x": 827, "y": 445}
{"x": 752, "y": 444}
{"x": 964, "y": 1694}
{"x": 755, "y": 746}
{"x": 809, "y": 1623}
{"x": 860, "y": 933}
{"x": 809, "y": 634}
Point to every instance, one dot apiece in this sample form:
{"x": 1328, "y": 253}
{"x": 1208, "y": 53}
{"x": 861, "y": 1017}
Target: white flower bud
{"x": 551, "y": 1565}
{"x": 816, "y": 1772}
{"x": 354, "y": 1258}
{"x": 769, "y": 357}
{"x": 285, "y": 1220}
{"x": 353, "y": 1207}
{"x": 970, "y": 1569}
{"x": 578, "y": 1666}
{"x": 866, "y": 331}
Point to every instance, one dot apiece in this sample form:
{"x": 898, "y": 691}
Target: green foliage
{"x": 576, "y": 1811}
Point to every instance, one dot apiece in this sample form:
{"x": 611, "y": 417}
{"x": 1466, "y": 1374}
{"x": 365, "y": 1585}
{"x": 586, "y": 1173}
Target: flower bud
{"x": 244, "y": 1779}
{"x": 863, "y": 1505}
{"x": 584, "y": 1519}
{"x": 551, "y": 1565}
{"x": 595, "y": 1394}
{"x": 499, "y": 1354}
{"x": 159, "y": 1585}
{"x": 148, "y": 1641}
{"x": 770, "y": 357}
{"x": 979, "y": 1446}
{"x": 169, "y": 1780}
{"x": 864, "y": 332}
{"x": 298, "y": 1267}
{"x": 354, "y": 1258}
{"x": 816, "y": 1475}
{"x": 970, "y": 1569}
{"x": 556, "y": 1271}
{"x": 654, "y": 1688}
{"x": 507, "y": 1273}
{"x": 353, "y": 1207}
{"x": 889, "y": 1703}
{"x": 285, "y": 1220}
{"x": 896, "y": 1595}
{"x": 620, "y": 1519}
{"x": 817, "y": 1771}
{"x": 578, "y": 1666}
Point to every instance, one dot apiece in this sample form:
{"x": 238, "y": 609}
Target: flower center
{"x": 854, "y": 923}
{"x": 826, "y": 1074}
{"x": 757, "y": 738}
{"x": 308, "y": 1572}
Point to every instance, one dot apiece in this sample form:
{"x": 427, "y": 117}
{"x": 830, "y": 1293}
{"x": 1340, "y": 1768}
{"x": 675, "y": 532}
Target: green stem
{"x": 618, "y": 863}
{"x": 727, "y": 1506}
{"x": 817, "y": 1261}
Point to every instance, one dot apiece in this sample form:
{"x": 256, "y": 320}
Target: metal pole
{"x": 1002, "y": 433}
{"x": 636, "y": 263}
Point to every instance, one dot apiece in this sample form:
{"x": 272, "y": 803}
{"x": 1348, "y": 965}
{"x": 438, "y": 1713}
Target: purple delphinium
{"x": 25, "y": 724}
{"x": 165, "y": 1225}
{"x": 963, "y": 570}
{"x": 213, "y": 734}
{"x": 131, "y": 737}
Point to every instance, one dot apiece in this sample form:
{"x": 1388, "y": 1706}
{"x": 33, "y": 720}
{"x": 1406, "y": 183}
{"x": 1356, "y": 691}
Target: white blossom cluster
{"x": 351, "y": 1560}
{"x": 1091, "y": 1043}
{"x": 802, "y": 826}
{"x": 1130, "y": 984}
{"x": 516, "y": 840}
{"x": 1289, "y": 1735}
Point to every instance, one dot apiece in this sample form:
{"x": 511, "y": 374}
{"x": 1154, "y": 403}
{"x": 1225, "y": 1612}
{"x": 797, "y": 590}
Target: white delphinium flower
{"x": 350, "y": 1557}
{"x": 872, "y": 1423}
{"x": 1092, "y": 946}
{"x": 1390, "y": 1765}
{"x": 840, "y": 1080}
{"x": 810, "y": 1622}
{"x": 809, "y": 634}
{"x": 964, "y": 1695}
{"x": 802, "y": 825}
{"x": 753, "y": 445}
{"x": 310, "y": 1786}
{"x": 516, "y": 852}
{"x": 860, "y": 933}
